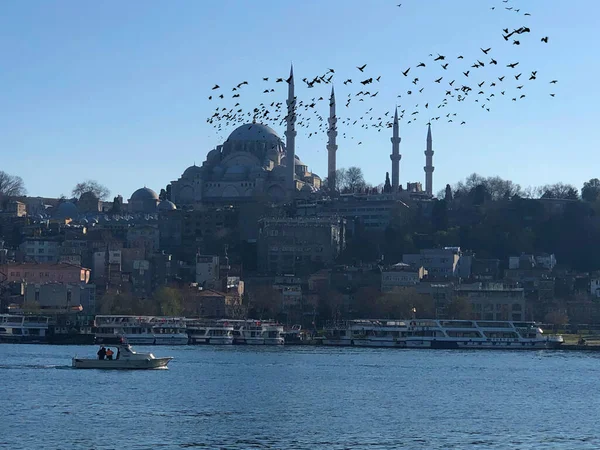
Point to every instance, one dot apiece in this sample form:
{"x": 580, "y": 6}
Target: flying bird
{"x": 361, "y": 68}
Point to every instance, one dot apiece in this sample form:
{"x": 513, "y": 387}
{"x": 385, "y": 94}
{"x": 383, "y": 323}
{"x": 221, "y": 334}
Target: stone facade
{"x": 299, "y": 245}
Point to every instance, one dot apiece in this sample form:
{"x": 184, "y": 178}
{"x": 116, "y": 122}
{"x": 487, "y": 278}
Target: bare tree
{"x": 354, "y": 180}
{"x": 340, "y": 179}
{"x": 559, "y": 190}
{"x": 497, "y": 187}
{"x": 101, "y": 191}
{"x": 11, "y": 185}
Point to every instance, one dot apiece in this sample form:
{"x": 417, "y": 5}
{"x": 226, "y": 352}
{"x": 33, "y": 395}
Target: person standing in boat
{"x": 109, "y": 354}
{"x": 101, "y": 353}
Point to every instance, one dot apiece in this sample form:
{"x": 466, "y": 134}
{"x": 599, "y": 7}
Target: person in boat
{"x": 101, "y": 353}
{"x": 118, "y": 352}
{"x": 109, "y": 354}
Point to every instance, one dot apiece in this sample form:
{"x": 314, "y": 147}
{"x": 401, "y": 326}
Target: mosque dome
{"x": 143, "y": 200}
{"x": 296, "y": 158}
{"x": 192, "y": 172}
{"x": 66, "y": 210}
{"x": 144, "y": 194}
{"x": 166, "y": 205}
{"x": 218, "y": 172}
{"x": 254, "y": 132}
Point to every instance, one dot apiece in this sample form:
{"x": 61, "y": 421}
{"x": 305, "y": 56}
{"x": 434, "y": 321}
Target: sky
{"x": 118, "y": 91}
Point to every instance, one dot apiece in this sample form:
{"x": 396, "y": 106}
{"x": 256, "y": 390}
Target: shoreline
{"x": 318, "y": 343}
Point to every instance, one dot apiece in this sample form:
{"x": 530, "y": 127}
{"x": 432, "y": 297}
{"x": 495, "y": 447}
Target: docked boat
{"x": 294, "y": 335}
{"x": 209, "y": 332}
{"x": 23, "y": 328}
{"x": 71, "y": 329}
{"x": 256, "y": 332}
{"x": 446, "y": 334}
{"x": 126, "y": 359}
{"x": 141, "y": 330}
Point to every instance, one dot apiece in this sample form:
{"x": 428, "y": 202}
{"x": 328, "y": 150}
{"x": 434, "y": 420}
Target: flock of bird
{"x": 451, "y": 79}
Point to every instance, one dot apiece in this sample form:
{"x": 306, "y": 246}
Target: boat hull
{"x": 115, "y": 364}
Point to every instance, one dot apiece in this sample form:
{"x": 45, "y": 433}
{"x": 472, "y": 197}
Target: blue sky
{"x": 118, "y": 91}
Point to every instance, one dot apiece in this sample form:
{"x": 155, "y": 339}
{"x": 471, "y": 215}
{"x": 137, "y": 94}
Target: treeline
{"x": 495, "y": 218}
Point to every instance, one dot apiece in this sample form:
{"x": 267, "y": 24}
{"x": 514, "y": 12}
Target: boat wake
{"x": 32, "y": 366}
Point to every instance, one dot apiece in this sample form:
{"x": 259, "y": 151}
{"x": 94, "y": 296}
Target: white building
{"x": 400, "y": 276}
{"x": 447, "y": 262}
{"x": 595, "y": 287}
{"x": 41, "y": 249}
{"x": 207, "y": 269}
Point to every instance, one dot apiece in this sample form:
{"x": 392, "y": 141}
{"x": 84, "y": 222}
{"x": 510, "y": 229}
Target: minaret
{"x": 429, "y": 163}
{"x": 290, "y": 134}
{"x": 331, "y": 144}
{"x": 396, "y": 156}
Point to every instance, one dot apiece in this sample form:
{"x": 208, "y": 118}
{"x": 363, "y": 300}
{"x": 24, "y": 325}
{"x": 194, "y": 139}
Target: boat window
{"x": 465, "y": 334}
{"x": 494, "y": 324}
{"x": 501, "y": 334}
{"x": 457, "y": 324}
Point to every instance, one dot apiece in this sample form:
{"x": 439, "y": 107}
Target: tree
{"x": 168, "y": 301}
{"x": 163, "y": 195}
{"x": 354, "y": 179}
{"x": 99, "y": 190}
{"x": 559, "y": 190}
{"x": 448, "y": 194}
{"x": 340, "y": 180}
{"x": 264, "y": 302}
{"x": 591, "y": 190}
{"x": 387, "y": 187}
{"x": 11, "y": 185}
{"x": 458, "y": 308}
{"x": 496, "y": 187}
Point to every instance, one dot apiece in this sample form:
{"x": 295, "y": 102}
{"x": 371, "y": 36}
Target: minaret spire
{"x": 331, "y": 144}
{"x": 290, "y": 134}
{"x": 429, "y": 163}
{"x": 396, "y": 156}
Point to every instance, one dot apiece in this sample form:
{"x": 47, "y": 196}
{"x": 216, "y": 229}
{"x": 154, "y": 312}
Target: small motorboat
{"x": 126, "y": 359}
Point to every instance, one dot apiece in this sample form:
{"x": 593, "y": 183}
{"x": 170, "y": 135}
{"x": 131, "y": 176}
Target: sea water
{"x": 238, "y": 397}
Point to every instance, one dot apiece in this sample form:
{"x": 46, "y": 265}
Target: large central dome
{"x": 254, "y": 132}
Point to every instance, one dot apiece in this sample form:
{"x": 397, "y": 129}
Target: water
{"x": 302, "y": 398}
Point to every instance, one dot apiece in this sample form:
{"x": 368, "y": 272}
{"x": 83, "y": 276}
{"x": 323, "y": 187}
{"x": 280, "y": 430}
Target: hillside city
{"x": 485, "y": 250}
{"x": 253, "y": 233}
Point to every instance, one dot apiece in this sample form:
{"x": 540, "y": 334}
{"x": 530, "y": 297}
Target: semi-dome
{"x": 166, "y": 205}
{"x": 192, "y": 171}
{"x": 296, "y": 158}
{"x": 254, "y": 132}
{"x": 236, "y": 172}
{"x": 144, "y": 194}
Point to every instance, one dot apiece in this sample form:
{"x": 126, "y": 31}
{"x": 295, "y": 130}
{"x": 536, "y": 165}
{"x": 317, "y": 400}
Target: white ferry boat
{"x": 447, "y": 334}
{"x": 209, "y": 332}
{"x": 256, "y": 332}
{"x": 23, "y": 328}
{"x": 141, "y": 330}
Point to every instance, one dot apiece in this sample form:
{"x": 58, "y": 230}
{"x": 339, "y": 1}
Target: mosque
{"x": 255, "y": 164}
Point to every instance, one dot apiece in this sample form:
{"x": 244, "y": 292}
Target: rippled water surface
{"x": 302, "y": 398}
